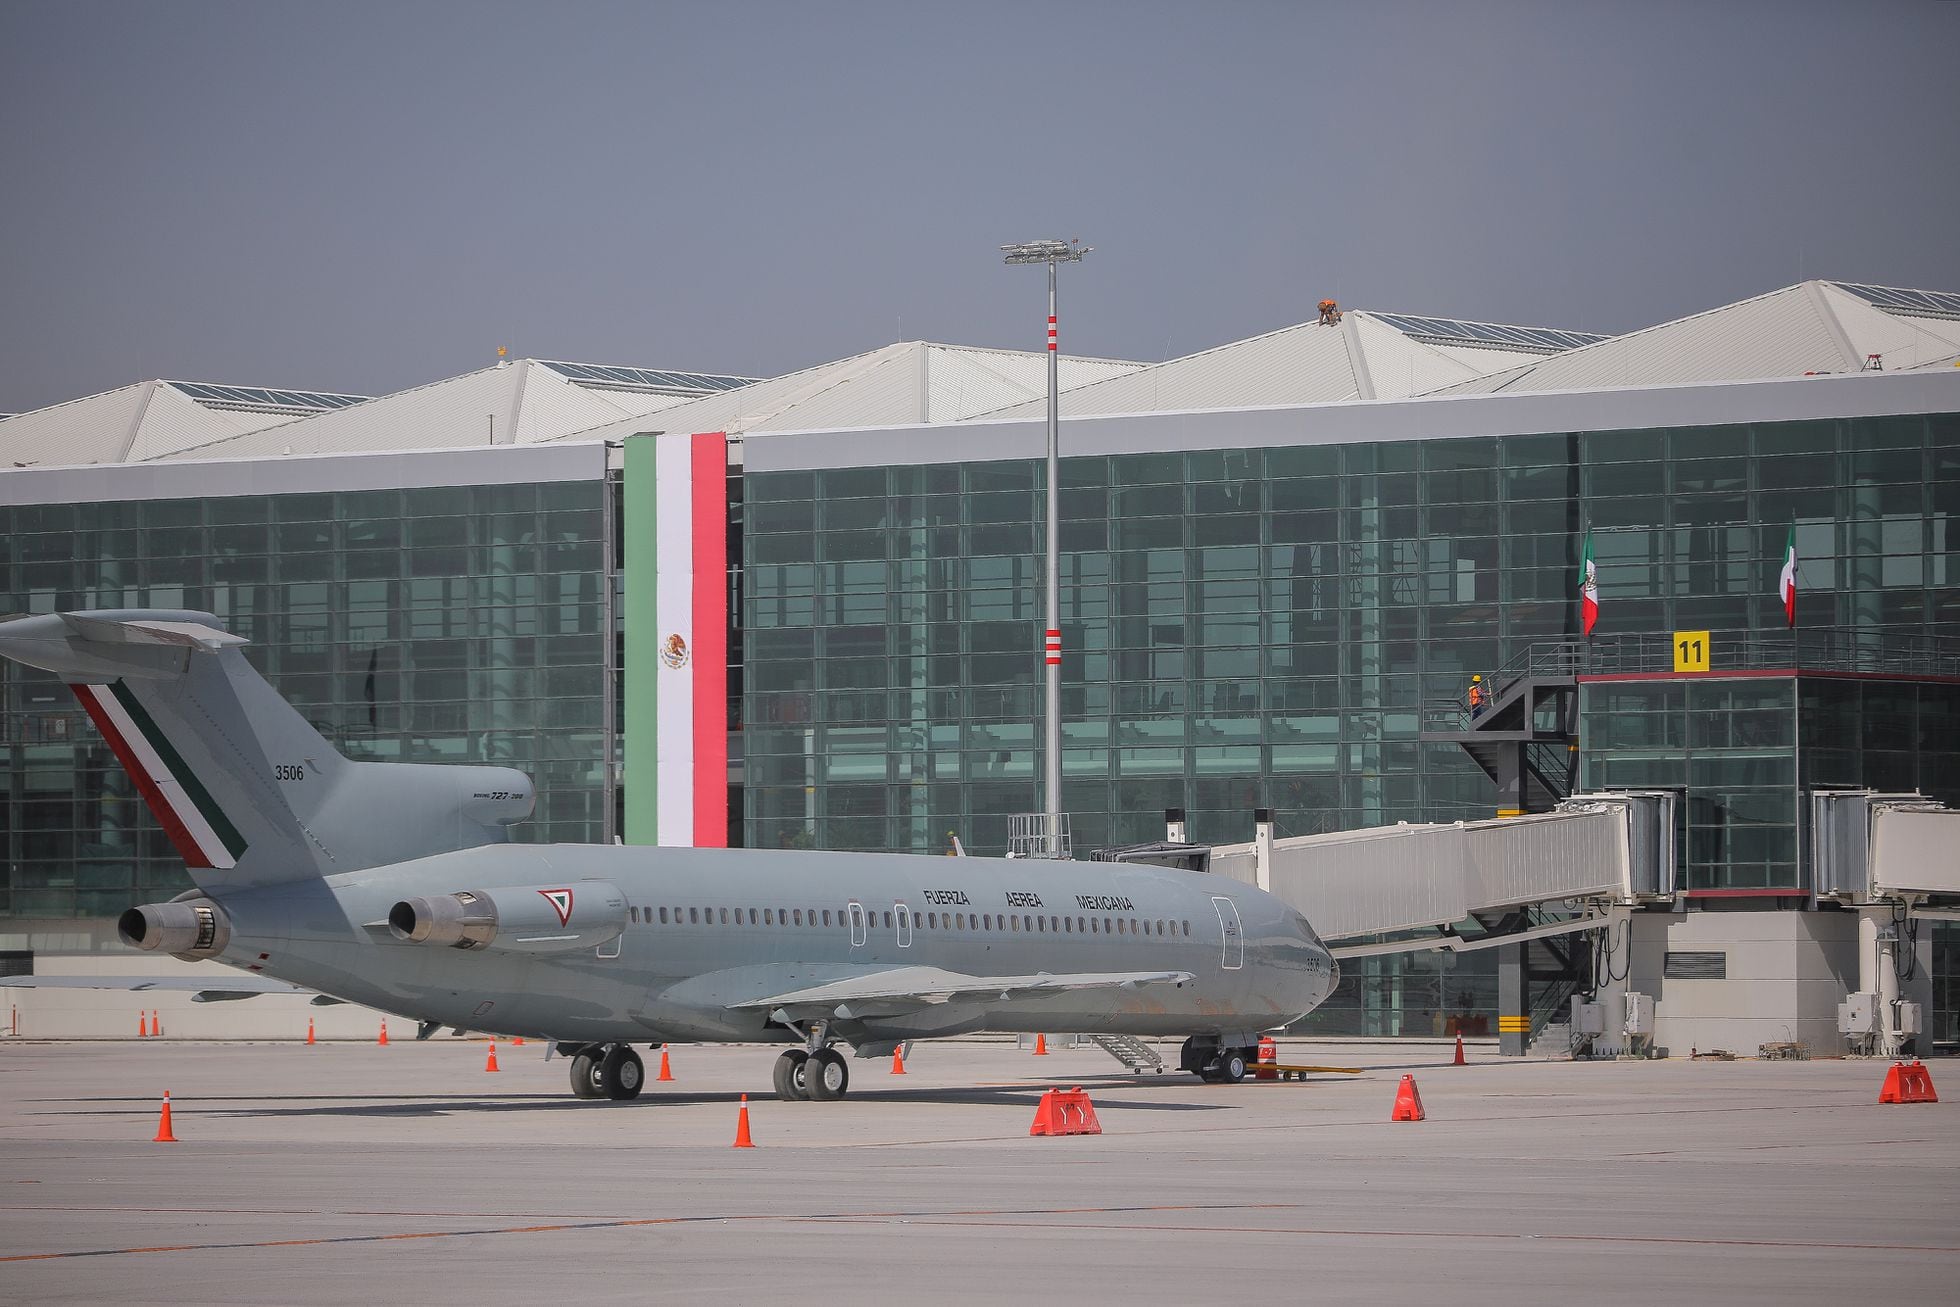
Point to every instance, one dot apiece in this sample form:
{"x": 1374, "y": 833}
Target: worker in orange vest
{"x": 1476, "y": 697}
{"x": 1330, "y": 313}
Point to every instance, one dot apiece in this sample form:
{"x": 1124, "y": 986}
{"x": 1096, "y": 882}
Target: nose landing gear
{"x": 1215, "y": 1064}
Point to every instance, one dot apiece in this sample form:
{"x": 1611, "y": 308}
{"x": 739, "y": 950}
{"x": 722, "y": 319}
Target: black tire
{"x": 585, "y": 1076}
{"x": 791, "y": 1086}
{"x": 1231, "y": 1066}
{"x": 622, "y": 1075}
{"x": 1195, "y": 1056}
{"x": 826, "y": 1076}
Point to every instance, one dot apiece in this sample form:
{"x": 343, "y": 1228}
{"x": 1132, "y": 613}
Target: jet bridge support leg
{"x": 1513, "y": 1001}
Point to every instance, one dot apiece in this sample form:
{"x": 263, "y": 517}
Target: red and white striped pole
{"x": 1052, "y": 723}
{"x": 1052, "y": 253}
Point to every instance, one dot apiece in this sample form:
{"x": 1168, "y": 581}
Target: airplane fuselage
{"x": 710, "y": 929}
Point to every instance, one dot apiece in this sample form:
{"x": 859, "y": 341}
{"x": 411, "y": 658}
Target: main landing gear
{"x": 608, "y": 1071}
{"x": 817, "y": 1073}
{"x": 1213, "y": 1063}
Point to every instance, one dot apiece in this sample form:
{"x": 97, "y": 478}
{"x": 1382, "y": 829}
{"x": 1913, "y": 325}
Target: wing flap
{"x": 934, "y": 985}
{"x": 239, "y": 987}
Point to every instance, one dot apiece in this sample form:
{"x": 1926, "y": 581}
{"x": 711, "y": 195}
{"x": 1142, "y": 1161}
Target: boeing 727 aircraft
{"x": 395, "y": 885}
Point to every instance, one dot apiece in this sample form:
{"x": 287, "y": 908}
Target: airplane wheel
{"x": 791, "y": 1085}
{"x": 826, "y": 1075}
{"x": 1231, "y": 1067}
{"x": 622, "y": 1074}
{"x": 585, "y": 1073}
{"x": 1196, "y": 1056}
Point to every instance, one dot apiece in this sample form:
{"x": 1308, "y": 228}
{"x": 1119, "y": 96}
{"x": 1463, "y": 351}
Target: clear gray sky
{"x": 367, "y": 196}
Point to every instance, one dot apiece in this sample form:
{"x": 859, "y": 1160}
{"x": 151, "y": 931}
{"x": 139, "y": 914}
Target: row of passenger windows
{"x": 1011, "y": 923}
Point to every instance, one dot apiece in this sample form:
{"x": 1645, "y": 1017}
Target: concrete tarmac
{"x": 351, "y": 1173}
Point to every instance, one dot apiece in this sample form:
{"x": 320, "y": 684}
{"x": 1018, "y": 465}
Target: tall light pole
{"x": 1052, "y": 253}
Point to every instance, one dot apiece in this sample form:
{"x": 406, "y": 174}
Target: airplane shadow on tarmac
{"x": 371, "y": 1105}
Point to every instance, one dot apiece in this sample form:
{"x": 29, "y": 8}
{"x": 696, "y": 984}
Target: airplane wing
{"x": 899, "y": 988}
{"x": 201, "y": 991}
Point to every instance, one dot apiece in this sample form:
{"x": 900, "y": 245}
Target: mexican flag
{"x": 676, "y": 539}
{"x": 1786, "y": 584}
{"x": 1588, "y": 588}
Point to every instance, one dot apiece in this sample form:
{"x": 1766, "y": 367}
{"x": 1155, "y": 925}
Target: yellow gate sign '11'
{"x": 1691, "y": 651}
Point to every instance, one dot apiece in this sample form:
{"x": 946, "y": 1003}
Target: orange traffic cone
{"x": 1459, "y": 1053}
{"x": 491, "y": 1065}
{"x": 142, "y": 1026}
{"x": 517, "y": 1041}
{"x": 742, "y": 1139}
{"x": 383, "y": 1041}
{"x": 898, "y": 1061}
{"x": 156, "y": 1027}
{"x": 666, "y": 1072}
{"x": 1408, "y": 1103}
{"x": 1041, "y": 1046}
{"x": 164, "y": 1136}
{"x": 309, "y": 1030}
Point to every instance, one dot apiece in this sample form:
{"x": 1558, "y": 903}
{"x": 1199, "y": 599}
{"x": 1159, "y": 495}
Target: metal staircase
{"x": 1525, "y": 738}
{"x": 1132, "y": 1052}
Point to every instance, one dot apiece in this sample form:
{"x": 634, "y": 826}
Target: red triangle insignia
{"x": 561, "y": 902}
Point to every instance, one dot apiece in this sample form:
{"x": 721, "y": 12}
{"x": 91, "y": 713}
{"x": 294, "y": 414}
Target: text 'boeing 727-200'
{"x": 395, "y": 885}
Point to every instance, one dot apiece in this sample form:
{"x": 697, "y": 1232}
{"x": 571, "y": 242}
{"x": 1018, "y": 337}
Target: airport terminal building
{"x": 806, "y": 611}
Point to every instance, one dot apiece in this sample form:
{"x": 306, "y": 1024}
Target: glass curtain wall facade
{"x": 433, "y": 624}
{"x": 1259, "y": 627}
{"x": 1743, "y": 753}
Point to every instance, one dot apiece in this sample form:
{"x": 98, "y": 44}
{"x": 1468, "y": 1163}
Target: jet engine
{"x": 186, "y": 928}
{"x": 527, "y": 919}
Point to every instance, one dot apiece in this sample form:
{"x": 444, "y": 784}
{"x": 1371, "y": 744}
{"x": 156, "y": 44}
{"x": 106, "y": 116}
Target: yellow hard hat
{"x": 1476, "y": 678}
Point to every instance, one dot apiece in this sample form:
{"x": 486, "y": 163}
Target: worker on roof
{"x": 1330, "y": 313}
{"x": 1476, "y": 697}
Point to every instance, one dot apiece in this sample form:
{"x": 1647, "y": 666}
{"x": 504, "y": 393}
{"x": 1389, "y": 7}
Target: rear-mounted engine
{"x": 528, "y": 919}
{"x": 189, "y": 928}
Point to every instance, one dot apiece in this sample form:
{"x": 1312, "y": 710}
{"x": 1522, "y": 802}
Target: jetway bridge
{"x": 1463, "y": 886}
{"x": 1893, "y": 859}
{"x": 1593, "y": 851}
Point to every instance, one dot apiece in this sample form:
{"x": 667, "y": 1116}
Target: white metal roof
{"x": 147, "y": 420}
{"x": 1814, "y": 326}
{"x": 519, "y": 402}
{"x": 913, "y": 381}
{"x": 1368, "y": 356}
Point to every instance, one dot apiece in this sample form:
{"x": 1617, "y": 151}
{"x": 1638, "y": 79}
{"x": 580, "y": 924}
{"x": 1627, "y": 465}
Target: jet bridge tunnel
{"x": 1471, "y": 885}
{"x": 1598, "y": 872}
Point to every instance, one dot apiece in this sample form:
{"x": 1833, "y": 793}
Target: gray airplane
{"x": 395, "y": 885}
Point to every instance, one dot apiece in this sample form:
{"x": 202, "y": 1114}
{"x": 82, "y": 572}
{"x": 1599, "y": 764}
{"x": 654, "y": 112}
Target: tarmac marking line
{"x": 642, "y": 1222}
{"x": 984, "y": 1218}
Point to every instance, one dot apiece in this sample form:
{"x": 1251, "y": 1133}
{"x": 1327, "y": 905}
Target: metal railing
{"x": 1802, "y": 651}
{"x": 1028, "y": 836}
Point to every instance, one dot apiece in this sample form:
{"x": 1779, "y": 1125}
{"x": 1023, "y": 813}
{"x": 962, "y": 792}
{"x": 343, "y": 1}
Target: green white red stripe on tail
{"x": 1787, "y": 583}
{"x": 203, "y": 835}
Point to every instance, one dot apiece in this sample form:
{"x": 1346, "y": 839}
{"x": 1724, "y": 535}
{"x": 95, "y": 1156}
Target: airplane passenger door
{"x": 857, "y": 924}
{"x": 1228, "y": 922}
{"x": 903, "y": 915}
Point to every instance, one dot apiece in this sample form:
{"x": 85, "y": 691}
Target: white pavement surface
{"x": 349, "y": 1173}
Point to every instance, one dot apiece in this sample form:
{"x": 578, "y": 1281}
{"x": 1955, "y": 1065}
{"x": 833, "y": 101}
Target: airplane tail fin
{"x": 249, "y": 793}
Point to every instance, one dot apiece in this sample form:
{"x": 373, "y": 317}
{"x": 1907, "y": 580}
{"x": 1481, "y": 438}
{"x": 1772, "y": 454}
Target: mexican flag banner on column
{"x": 675, "y": 532}
{"x": 1588, "y": 588}
{"x": 1787, "y": 583}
